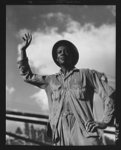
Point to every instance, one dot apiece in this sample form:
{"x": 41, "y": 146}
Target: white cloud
{"x": 96, "y": 49}
{"x": 41, "y": 99}
{"x": 10, "y": 90}
{"x": 58, "y": 16}
{"x": 23, "y": 31}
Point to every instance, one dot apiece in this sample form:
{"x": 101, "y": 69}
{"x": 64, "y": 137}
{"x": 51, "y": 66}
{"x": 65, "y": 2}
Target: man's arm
{"x": 27, "y": 38}
{"x": 100, "y": 85}
{"x": 24, "y": 68}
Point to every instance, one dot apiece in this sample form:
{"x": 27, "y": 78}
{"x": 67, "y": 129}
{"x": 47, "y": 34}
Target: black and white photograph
{"x": 61, "y": 75}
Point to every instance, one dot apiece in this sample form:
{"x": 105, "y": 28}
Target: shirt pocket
{"x": 79, "y": 91}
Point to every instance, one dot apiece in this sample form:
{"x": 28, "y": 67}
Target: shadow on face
{"x": 64, "y": 56}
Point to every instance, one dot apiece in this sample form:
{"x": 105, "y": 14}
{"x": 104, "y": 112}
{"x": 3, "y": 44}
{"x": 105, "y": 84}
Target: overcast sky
{"x": 91, "y": 28}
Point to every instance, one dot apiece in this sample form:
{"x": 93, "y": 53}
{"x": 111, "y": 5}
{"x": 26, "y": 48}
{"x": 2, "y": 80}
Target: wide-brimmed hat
{"x": 72, "y": 48}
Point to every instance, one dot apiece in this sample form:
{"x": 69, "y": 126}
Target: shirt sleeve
{"x": 40, "y": 81}
{"x": 101, "y": 87}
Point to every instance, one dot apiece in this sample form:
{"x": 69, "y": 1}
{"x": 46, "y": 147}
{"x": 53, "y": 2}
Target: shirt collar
{"x": 71, "y": 71}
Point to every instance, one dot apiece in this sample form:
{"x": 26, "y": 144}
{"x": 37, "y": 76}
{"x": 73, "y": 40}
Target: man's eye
{"x": 59, "y": 52}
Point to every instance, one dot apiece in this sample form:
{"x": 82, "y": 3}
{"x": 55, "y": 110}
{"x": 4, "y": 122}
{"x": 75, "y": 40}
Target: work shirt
{"x": 70, "y": 99}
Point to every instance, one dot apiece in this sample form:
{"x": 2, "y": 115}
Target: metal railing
{"x": 27, "y": 139}
{"x": 25, "y": 117}
{"x": 40, "y": 122}
{"x": 14, "y": 113}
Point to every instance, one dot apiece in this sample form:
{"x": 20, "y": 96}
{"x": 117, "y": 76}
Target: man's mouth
{"x": 62, "y": 57}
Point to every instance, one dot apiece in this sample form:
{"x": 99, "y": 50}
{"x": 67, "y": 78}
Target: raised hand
{"x": 27, "y": 38}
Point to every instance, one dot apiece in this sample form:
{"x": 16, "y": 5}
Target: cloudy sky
{"x": 91, "y": 28}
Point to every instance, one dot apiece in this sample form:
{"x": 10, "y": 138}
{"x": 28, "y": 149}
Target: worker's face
{"x": 63, "y": 55}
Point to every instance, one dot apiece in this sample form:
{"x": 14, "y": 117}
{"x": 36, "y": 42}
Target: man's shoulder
{"x": 83, "y": 70}
{"x": 87, "y": 70}
{"x": 54, "y": 75}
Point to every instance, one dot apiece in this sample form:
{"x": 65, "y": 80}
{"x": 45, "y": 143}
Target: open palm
{"x": 27, "y": 38}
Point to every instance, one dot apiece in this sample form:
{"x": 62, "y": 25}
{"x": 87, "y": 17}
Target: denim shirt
{"x": 76, "y": 88}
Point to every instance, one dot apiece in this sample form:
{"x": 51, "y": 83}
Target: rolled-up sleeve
{"x": 40, "y": 81}
{"x": 101, "y": 87}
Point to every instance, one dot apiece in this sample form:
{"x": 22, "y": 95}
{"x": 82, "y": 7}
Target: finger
{"x": 90, "y": 126}
{"x": 24, "y": 38}
{"x": 93, "y": 128}
{"x": 89, "y": 123}
{"x": 30, "y": 37}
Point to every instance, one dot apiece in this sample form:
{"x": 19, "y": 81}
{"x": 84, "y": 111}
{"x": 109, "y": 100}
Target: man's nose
{"x": 62, "y": 52}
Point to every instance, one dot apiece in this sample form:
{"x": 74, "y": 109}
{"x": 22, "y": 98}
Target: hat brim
{"x": 72, "y": 48}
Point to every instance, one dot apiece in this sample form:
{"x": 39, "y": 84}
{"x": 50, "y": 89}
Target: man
{"x": 70, "y": 95}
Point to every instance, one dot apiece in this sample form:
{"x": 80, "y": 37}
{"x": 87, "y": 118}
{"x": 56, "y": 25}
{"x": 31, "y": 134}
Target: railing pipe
{"x": 26, "y": 114}
{"x": 26, "y": 120}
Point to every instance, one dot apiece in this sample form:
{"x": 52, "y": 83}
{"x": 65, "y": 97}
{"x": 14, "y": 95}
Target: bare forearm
{"x": 23, "y": 54}
{"x": 24, "y": 68}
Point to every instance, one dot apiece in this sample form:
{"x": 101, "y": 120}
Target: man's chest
{"x": 74, "y": 86}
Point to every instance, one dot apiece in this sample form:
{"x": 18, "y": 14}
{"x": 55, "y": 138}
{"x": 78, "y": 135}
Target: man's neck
{"x": 65, "y": 70}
